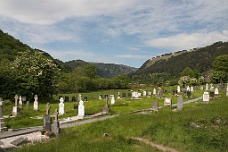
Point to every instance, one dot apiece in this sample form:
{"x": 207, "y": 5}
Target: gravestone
{"x": 155, "y": 105}
{"x": 36, "y": 104}
{"x": 61, "y": 106}
{"x": 67, "y": 99}
{"x": 188, "y": 88}
{"x": 73, "y": 99}
{"x": 23, "y": 98}
{"x": 100, "y": 97}
{"x": 81, "y": 109}
{"x": 47, "y": 121}
{"x": 211, "y": 86}
{"x": 154, "y": 91}
{"x": 149, "y": 93}
{"x": 19, "y": 141}
{"x": 118, "y": 95}
{"x": 144, "y": 93}
{"x": 206, "y": 97}
{"x": 212, "y": 92}
{"x": 15, "y": 108}
{"x": 216, "y": 92}
{"x": 192, "y": 89}
{"x": 221, "y": 86}
{"x": 106, "y": 107}
{"x": 79, "y": 97}
{"x": 2, "y": 123}
{"x": 160, "y": 93}
{"x": 178, "y": 89}
{"x": 112, "y": 99}
{"x": 227, "y": 90}
{"x": 27, "y": 105}
{"x": 180, "y": 102}
{"x": 201, "y": 87}
{"x": 129, "y": 94}
{"x": 20, "y": 101}
{"x": 189, "y": 94}
{"x": 56, "y": 128}
{"x": 168, "y": 102}
{"x": 124, "y": 95}
{"x": 85, "y": 98}
{"x": 207, "y": 87}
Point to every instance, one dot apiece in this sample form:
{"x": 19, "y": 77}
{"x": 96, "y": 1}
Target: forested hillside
{"x": 106, "y": 70}
{"x": 199, "y": 59}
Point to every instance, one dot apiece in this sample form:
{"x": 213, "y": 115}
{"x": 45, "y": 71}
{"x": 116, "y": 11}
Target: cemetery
{"x": 162, "y": 107}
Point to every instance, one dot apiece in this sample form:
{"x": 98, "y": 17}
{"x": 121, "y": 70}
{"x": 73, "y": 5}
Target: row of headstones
{"x": 18, "y": 99}
{"x": 55, "y": 127}
{"x": 73, "y": 99}
{"x": 213, "y": 93}
{"x": 168, "y": 102}
{"x": 81, "y": 108}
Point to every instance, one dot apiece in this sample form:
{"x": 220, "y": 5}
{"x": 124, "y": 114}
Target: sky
{"x": 125, "y": 32}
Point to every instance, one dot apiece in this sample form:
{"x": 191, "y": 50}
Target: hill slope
{"x": 200, "y": 60}
{"x": 107, "y": 70}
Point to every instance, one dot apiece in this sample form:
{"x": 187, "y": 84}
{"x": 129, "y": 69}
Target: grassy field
{"x": 93, "y": 106}
{"x": 174, "y": 129}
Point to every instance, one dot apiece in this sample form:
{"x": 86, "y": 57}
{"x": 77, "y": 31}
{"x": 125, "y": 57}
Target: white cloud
{"x": 131, "y": 56}
{"x": 51, "y": 11}
{"x": 188, "y": 41}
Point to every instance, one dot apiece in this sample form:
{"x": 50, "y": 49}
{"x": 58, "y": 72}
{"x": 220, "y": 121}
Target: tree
{"x": 220, "y": 69}
{"x": 90, "y": 71}
{"x": 188, "y": 72}
{"x": 39, "y": 75}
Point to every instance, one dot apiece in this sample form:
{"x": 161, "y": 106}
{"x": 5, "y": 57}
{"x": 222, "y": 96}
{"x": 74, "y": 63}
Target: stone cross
{"x": 36, "y": 98}
{"x": 56, "y": 115}
{"x": 16, "y": 99}
{"x": 48, "y": 107}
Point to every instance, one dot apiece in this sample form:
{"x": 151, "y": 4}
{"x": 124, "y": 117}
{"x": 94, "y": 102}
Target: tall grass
{"x": 165, "y": 127}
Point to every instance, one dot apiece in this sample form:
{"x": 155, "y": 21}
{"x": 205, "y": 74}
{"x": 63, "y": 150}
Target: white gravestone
{"x": 227, "y": 90}
{"x": 144, "y": 93}
{"x": 20, "y": 101}
{"x": 14, "y": 112}
{"x": 112, "y": 99}
{"x": 149, "y": 93}
{"x": 81, "y": 109}
{"x": 61, "y": 106}
{"x": 100, "y": 97}
{"x": 207, "y": 87}
{"x": 206, "y": 97}
{"x": 154, "y": 91}
{"x": 118, "y": 95}
{"x": 167, "y": 102}
{"x": 191, "y": 89}
{"x": 216, "y": 92}
{"x": 188, "y": 88}
{"x": 36, "y": 106}
{"x": 178, "y": 89}
{"x": 79, "y": 97}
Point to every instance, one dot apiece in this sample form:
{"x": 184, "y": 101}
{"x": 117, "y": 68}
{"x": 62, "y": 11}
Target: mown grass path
{"x": 158, "y": 146}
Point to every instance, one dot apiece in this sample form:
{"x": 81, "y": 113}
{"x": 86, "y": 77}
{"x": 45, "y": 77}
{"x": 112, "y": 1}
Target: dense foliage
{"x": 220, "y": 69}
{"x": 103, "y": 69}
{"x": 199, "y": 59}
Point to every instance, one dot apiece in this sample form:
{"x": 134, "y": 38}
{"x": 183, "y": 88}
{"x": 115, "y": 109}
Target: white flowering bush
{"x": 38, "y": 73}
{"x": 184, "y": 80}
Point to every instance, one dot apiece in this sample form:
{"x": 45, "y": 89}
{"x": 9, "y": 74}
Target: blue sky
{"x": 125, "y": 32}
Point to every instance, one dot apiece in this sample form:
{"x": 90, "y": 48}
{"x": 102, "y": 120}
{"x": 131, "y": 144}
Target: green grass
{"x": 92, "y": 107}
{"x": 164, "y": 127}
